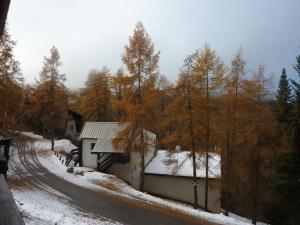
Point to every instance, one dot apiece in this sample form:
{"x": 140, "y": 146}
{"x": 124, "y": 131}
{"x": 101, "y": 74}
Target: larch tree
{"x": 182, "y": 118}
{"x": 121, "y": 85}
{"x": 11, "y": 90}
{"x": 260, "y": 137}
{"x": 229, "y": 119}
{"x": 141, "y": 61}
{"x": 96, "y": 97}
{"x": 208, "y": 72}
{"x": 49, "y": 100}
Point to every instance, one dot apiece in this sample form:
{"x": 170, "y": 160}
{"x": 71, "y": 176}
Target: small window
{"x": 71, "y": 127}
{"x": 92, "y": 146}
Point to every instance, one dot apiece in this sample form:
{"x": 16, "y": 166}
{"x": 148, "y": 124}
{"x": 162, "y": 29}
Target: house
{"x": 73, "y": 126}
{"x": 171, "y": 176}
{"x": 98, "y": 153}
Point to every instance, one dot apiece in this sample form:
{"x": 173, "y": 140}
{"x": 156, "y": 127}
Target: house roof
{"x": 104, "y": 132}
{"x": 181, "y": 164}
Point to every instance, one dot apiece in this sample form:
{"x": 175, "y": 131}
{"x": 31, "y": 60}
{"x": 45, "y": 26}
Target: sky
{"x": 92, "y": 33}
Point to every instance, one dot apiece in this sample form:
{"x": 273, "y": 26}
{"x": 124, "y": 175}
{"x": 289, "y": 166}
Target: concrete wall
{"x": 122, "y": 171}
{"x": 181, "y": 189}
{"x": 88, "y": 159}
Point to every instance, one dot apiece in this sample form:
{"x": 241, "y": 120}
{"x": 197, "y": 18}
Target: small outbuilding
{"x": 170, "y": 175}
{"x": 73, "y": 126}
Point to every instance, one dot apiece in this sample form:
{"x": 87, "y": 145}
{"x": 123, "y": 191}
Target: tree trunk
{"x": 191, "y": 127}
{"x": 207, "y": 145}
{"x": 52, "y": 142}
{"x": 142, "y": 175}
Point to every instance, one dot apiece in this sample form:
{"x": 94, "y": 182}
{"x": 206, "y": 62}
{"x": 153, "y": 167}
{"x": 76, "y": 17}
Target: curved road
{"x": 104, "y": 205}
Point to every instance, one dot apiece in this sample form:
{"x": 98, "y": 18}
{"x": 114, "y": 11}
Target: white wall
{"x": 88, "y": 159}
{"x": 181, "y": 189}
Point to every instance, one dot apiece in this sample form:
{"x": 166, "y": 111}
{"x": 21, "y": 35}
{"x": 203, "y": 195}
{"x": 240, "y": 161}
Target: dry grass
{"x": 109, "y": 186}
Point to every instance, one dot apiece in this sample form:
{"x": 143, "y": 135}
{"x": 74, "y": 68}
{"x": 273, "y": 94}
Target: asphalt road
{"x": 105, "y": 205}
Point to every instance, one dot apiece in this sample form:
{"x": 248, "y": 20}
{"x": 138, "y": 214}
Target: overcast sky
{"x": 92, "y": 33}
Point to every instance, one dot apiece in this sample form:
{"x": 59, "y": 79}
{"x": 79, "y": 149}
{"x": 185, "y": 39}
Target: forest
{"x": 238, "y": 113}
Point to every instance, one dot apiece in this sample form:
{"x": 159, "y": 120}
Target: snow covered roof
{"x": 181, "y": 164}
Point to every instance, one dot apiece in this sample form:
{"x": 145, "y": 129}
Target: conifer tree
{"x": 96, "y": 97}
{"x": 50, "y": 97}
{"x": 284, "y": 99}
{"x": 11, "y": 90}
{"x": 287, "y": 178}
{"x": 141, "y": 61}
{"x": 208, "y": 72}
{"x": 230, "y": 113}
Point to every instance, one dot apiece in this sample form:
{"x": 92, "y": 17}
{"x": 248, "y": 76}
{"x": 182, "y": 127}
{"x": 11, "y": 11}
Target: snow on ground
{"x": 31, "y": 135}
{"x": 53, "y": 209}
{"x": 63, "y": 145}
{"x": 40, "y": 204}
{"x": 232, "y": 215}
{"x": 113, "y": 185}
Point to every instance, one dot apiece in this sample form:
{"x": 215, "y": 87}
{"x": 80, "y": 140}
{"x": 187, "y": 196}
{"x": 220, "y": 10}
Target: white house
{"x": 167, "y": 175}
{"x": 171, "y": 176}
{"x": 98, "y": 153}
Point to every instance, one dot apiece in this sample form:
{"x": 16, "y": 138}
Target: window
{"x": 92, "y": 146}
{"x": 71, "y": 127}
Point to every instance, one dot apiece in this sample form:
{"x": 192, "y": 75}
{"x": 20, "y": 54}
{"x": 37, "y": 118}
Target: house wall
{"x": 71, "y": 133}
{"x": 130, "y": 172}
{"x": 122, "y": 171}
{"x": 88, "y": 159}
{"x": 181, "y": 189}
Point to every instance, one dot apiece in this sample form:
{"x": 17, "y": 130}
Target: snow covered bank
{"x": 64, "y": 145}
{"x": 113, "y": 185}
{"x": 53, "y": 209}
{"x": 40, "y": 204}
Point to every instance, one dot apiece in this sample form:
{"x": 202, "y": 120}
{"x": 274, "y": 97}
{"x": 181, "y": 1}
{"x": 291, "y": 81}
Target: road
{"x": 105, "y": 205}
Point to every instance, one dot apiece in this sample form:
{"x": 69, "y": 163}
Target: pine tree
{"x": 284, "y": 98}
{"x": 50, "y": 97}
{"x": 141, "y": 61}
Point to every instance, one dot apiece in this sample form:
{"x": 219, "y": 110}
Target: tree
{"x": 208, "y": 72}
{"x": 284, "y": 99}
{"x": 11, "y": 87}
{"x": 230, "y": 109}
{"x": 120, "y": 90}
{"x": 50, "y": 97}
{"x": 141, "y": 61}
{"x": 189, "y": 123}
{"x": 260, "y": 137}
{"x": 96, "y": 97}
{"x": 287, "y": 179}
{"x": 181, "y": 120}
